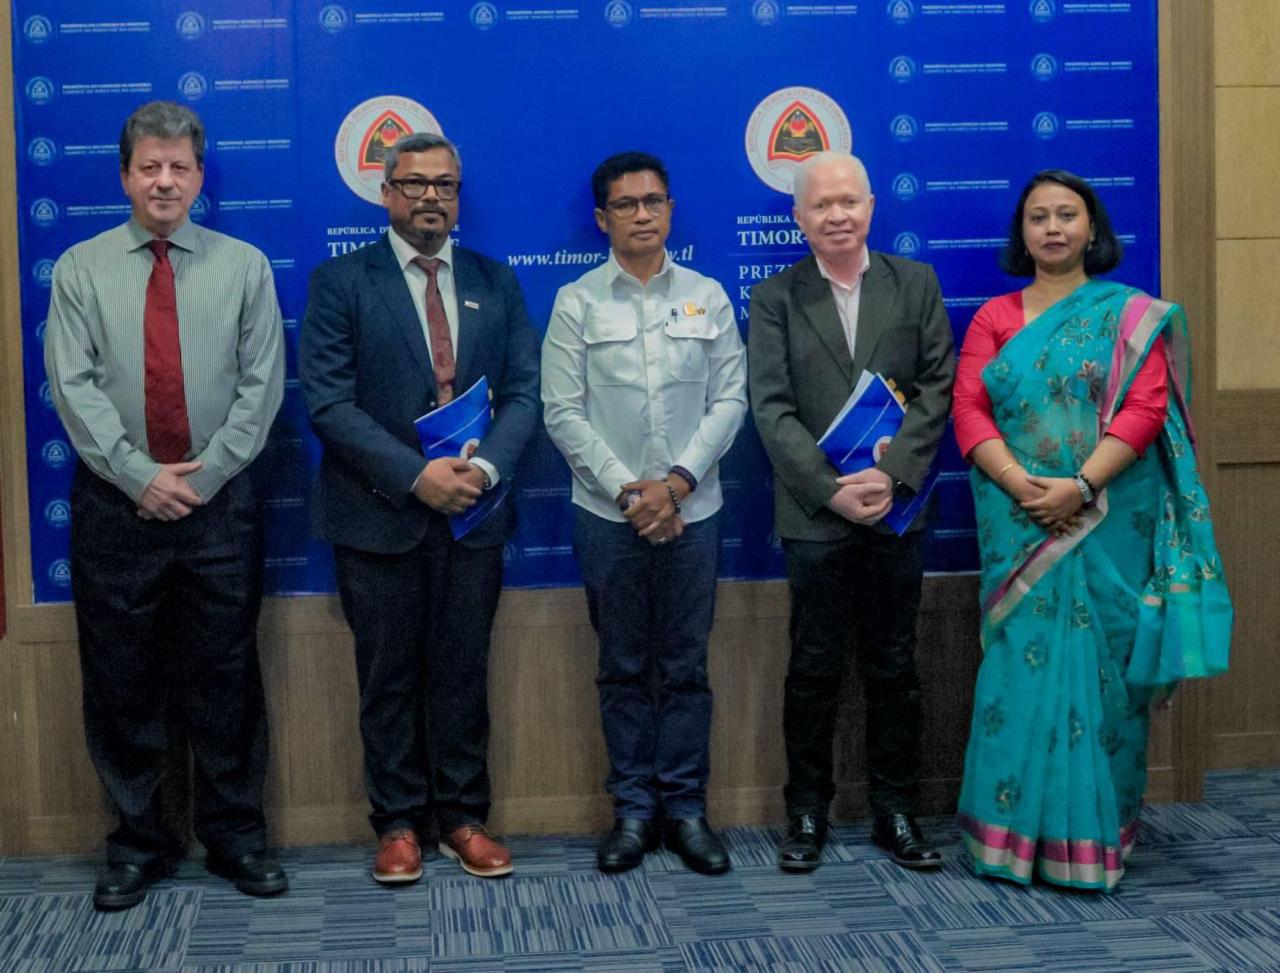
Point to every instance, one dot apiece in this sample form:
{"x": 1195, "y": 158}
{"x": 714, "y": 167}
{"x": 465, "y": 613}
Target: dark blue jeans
{"x": 652, "y": 608}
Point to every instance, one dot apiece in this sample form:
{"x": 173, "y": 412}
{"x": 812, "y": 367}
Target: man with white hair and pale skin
{"x": 813, "y": 329}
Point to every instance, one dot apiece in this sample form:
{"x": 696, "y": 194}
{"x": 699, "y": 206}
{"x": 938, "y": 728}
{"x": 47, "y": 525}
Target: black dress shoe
{"x": 801, "y": 849}
{"x": 624, "y": 847}
{"x": 256, "y": 873}
{"x": 697, "y": 845}
{"x": 122, "y": 885}
{"x": 900, "y": 834}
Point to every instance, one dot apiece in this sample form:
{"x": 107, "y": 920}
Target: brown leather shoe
{"x": 477, "y": 853}
{"x": 399, "y": 858}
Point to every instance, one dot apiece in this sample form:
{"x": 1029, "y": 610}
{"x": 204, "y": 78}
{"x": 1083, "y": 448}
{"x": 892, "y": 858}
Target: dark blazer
{"x": 800, "y": 375}
{"x": 366, "y": 374}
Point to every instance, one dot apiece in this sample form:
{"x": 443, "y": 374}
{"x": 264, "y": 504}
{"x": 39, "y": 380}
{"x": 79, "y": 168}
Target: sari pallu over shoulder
{"x": 1079, "y": 630}
{"x": 1187, "y": 611}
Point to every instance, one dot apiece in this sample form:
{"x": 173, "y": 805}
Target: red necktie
{"x": 168, "y": 431}
{"x": 438, "y": 327}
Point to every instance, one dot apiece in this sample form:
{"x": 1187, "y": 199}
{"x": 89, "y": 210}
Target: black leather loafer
{"x": 624, "y": 847}
{"x": 698, "y": 846}
{"x": 122, "y": 885}
{"x": 900, "y": 835}
{"x": 256, "y": 873}
{"x": 801, "y": 849}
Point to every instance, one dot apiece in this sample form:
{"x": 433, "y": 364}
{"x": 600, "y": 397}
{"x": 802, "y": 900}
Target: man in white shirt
{"x": 643, "y": 389}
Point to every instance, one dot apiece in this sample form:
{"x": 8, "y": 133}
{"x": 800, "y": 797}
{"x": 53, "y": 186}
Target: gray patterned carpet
{"x": 1202, "y": 893}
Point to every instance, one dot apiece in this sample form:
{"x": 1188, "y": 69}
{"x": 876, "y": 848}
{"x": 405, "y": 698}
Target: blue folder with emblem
{"x": 455, "y": 429}
{"x": 860, "y": 433}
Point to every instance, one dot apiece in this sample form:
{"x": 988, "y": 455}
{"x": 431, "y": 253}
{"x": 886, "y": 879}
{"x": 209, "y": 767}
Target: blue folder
{"x": 455, "y": 429}
{"x": 859, "y": 434}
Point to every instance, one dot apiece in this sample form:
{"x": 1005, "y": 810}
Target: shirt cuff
{"x": 488, "y": 469}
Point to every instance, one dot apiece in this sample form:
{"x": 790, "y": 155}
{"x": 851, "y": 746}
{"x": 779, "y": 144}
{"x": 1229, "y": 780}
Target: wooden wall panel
{"x": 1243, "y": 717}
{"x": 1248, "y": 204}
{"x": 1248, "y": 344}
{"x": 1247, "y": 42}
{"x": 1245, "y": 709}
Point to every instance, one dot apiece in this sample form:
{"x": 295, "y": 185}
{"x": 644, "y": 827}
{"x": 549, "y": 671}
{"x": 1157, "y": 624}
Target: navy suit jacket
{"x": 366, "y": 375}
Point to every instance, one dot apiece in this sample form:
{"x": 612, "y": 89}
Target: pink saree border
{"x": 1084, "y": 862}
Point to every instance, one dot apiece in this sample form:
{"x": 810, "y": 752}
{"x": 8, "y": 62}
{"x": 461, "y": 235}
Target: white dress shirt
{"x": 416, "y": 279}
{"x": 639, "y": 378}
{"x": 848, "y": 297}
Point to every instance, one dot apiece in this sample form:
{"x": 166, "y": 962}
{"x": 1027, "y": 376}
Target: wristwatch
{"x": 1087, "y": 493}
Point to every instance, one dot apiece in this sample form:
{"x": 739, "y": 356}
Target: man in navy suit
{"x": 392, "y": 331}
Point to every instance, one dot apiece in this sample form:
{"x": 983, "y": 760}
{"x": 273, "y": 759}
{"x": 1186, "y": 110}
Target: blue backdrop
{"x": 952, "y": 105}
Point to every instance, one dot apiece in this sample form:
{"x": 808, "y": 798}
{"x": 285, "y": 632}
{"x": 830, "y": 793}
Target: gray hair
{"x": 820, "y": 159}
{"x": 417, "y": 142}
{"x": 162, "y": 120}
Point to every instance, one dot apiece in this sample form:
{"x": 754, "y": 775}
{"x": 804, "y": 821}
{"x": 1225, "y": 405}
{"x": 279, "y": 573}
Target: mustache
{"x": 430, "y": 208}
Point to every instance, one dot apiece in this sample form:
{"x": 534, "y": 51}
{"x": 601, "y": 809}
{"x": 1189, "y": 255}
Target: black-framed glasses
{"x": 417, "y": 188}
{"x": 626, "y": 207}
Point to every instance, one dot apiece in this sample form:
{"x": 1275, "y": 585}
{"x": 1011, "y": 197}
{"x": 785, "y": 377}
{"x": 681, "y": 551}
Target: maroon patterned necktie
{"x": 168, "y": 430}
{"x": 438, "y": 327}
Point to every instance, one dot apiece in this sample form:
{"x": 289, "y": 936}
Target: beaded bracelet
{"x": 671, "y": 492}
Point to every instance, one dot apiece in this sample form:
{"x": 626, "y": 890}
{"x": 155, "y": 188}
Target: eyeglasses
{"x": 417, "y": 188}
{"x": 625, "y": 207}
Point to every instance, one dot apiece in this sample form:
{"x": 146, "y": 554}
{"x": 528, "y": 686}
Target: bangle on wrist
{"x": 1005, "y": 469}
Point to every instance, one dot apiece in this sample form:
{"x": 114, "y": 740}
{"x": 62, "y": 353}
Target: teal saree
{"x": 1081, "y": 632}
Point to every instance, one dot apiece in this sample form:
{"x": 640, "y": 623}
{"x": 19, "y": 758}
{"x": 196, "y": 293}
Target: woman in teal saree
{"x": 1101, "y": 582}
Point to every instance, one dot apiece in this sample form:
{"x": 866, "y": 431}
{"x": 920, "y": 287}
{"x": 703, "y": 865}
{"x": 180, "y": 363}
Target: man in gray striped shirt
{"x": 164, "y": 357}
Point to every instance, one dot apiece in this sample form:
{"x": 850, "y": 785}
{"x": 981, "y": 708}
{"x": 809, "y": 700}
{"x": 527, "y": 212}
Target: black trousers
{"x": 868, "y": 587}
{"x": 167, "y": 614}
{"x": 421, "y": 622}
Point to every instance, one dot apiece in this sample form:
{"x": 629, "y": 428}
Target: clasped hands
{"x": 864, "y": 497}
{"x": 652, "y": 513}
{"x": 1053, "y": 502}
{"x": 169, "y": 496}
{"x": 449, "y": 484}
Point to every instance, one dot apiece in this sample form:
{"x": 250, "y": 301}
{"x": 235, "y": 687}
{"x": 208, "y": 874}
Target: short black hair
{"x": 617, "y": 166}
{"x": 1102, "y": 255}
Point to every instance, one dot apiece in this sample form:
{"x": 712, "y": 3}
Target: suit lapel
{"x": 472, "y": 297}
{"x": 389, "y": 281}
{"x": 875, "y": 308}
{"x": 813, "y": 294}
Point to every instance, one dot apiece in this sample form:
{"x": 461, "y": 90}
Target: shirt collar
{"x": 862, "y": 271}
{"x": 405, "y": 252}
{"x": 613, "y": 270}
{"x": 184, "y": 237}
